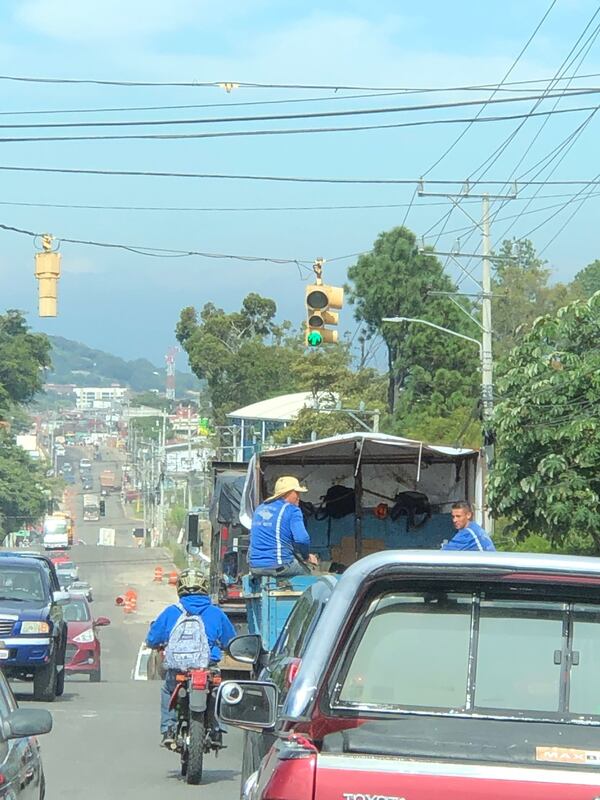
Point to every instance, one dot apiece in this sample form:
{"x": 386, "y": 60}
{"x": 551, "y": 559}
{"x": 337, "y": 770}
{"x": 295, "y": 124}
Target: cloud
{"x": 90, "y": 20}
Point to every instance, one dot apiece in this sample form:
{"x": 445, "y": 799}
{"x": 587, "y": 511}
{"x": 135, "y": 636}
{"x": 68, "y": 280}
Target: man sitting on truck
{"x": 469, "y": 534}
{"x": 279, "y": 541}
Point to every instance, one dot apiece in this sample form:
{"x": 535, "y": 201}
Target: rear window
{"x": 76, "y": 611}
{"x": 471, "y": 653}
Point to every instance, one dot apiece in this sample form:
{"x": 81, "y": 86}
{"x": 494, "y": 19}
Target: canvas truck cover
{"x": 226, "y": 499}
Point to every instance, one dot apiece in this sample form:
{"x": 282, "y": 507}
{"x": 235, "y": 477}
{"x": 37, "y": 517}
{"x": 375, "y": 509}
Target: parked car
{"x": 20, "y": 758}
{"x": 33, "y": 635}
{"x": 81, "y": 589}
{"x": 85, "y": 464}
{"x": 83, "y": 654}
{"x": 434, "y": 674}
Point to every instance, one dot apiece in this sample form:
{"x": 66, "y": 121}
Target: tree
{"x": 521, "y": 292}
{"x": 546, "y": 480}
{"x": 587, "y": 280}
{"x": 396, "y": 279}
{"x": 23, "y": 497}
{"x": 23, "y": 357}
{"x": 244, "y": 356}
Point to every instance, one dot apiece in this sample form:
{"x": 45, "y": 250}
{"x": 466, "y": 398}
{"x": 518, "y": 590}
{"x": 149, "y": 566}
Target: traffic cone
{"x": 158, "y": 574}
{"x": 172, "y": 578}
{"x": 127, "y": 605}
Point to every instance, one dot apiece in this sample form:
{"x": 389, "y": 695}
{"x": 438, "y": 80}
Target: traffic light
{"x": 320, "y": 300}
{"x": 47, "y": 271}
{"x": 102, "y": 506}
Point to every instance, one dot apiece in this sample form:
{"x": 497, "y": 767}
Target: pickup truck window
{"x": 473, "y": 654}
{"x": 21, "y": 584}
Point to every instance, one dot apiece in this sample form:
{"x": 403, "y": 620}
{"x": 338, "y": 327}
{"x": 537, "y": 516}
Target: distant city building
{"x": 99, "y": 397}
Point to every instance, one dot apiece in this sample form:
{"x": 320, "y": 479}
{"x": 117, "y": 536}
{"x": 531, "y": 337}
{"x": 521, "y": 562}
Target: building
{"x": 99, "y": 397}
{"x": 252, "y": 426}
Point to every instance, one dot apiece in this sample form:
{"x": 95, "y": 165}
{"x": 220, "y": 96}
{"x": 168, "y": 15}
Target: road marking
{"x": 90, "y": 714}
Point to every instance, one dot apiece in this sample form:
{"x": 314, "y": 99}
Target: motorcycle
{"x": 197, "y": 730}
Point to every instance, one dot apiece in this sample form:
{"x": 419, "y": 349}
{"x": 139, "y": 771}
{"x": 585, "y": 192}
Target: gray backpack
{"x": 188, "y": 646}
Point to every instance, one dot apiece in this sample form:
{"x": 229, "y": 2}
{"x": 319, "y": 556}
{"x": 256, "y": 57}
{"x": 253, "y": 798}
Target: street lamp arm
{"x": 437, "y": 327}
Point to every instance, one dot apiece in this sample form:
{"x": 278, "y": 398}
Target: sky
{"x": 128, "y": 303}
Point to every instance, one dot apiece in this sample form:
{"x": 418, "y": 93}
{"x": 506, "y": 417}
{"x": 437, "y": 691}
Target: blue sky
{"x": 129, "y": 304}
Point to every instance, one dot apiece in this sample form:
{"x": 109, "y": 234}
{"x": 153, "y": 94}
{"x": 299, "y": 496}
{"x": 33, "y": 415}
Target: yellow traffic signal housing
{"x": 320, "y": 299}
{"x": 47, "y": 271}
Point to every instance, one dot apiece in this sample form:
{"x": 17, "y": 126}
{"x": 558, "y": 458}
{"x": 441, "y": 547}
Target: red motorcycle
{"x": 197, "y": 729}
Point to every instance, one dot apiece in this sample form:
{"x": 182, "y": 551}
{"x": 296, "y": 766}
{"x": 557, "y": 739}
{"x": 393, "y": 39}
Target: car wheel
{"x": 96, "y": 676}
{"x": 44, "y": 682}
{"x": 60, "y": 681}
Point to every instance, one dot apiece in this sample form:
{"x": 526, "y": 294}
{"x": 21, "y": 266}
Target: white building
{"x": 98, "y": 397}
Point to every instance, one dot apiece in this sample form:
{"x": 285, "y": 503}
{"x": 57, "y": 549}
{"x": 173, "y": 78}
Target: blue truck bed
{"x": 269, "y": 603}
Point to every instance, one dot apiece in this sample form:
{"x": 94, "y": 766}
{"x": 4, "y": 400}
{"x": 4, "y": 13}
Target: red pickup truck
{"x": 429, "y": 675}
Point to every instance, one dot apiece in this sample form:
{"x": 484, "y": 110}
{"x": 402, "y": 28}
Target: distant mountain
{"x": 73, "y": 362}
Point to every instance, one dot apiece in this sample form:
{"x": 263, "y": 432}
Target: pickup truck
{"x": 33, "y": 634}
{"x": 429, "y": 675}
{"x": 380, "y": 474}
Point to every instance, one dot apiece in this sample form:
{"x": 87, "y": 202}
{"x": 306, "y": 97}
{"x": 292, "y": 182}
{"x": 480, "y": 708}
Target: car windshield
{"x": 20, "y": 584}
{"x": 76, "y": 611}
{"x": 469, "y": 653}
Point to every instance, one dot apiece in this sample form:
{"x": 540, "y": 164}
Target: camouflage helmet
{"x": 192, "y": 581}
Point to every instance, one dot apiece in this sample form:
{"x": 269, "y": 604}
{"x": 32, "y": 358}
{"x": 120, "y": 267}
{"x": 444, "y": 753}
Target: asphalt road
{"x": 105, "y": 741}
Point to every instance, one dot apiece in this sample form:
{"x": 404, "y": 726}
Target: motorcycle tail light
{"x": 199, "y": 678}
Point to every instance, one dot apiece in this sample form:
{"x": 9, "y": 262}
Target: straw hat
{"x": 285, "y": 484}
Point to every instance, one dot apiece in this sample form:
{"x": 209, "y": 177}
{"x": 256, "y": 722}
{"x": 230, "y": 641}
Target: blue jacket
{"x": 219, "y": 629}
{"x": 472, "y": 537}
{"x": 277, "y": 533}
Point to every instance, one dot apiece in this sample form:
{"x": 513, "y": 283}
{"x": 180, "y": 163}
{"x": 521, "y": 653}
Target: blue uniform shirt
{"x": 219, "y": 630}
{"x": 277, "y": 533}
{"x": 472, "y": 537}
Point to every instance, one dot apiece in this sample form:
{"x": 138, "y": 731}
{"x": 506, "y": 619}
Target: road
{"x": 105, "y": 741}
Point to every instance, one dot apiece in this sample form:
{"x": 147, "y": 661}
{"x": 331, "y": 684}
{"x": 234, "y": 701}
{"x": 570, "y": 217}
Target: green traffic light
{"x": 314, "y": 339}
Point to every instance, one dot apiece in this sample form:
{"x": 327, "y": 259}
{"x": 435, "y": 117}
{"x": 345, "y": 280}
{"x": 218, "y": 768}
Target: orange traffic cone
{"x": 158, "y": 574}
{"x": 172, "y": 578}
{"x": 127, "y": 605}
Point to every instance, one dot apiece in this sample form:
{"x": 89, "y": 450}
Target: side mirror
{"x": 26, "y": 722}
{"x": 251, "y": 705}
{"x": 60, "y": 597}
{"x": 247, "y": 648}
{"x": 101, "y": 621}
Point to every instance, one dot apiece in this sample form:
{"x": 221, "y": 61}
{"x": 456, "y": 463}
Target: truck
{"x": 367, "y": 492}
{"x": 57, "y": 532}
{"x": 229, "y": 538}
{"x": 91, "y": 508}
{"x": 107, "y": 481}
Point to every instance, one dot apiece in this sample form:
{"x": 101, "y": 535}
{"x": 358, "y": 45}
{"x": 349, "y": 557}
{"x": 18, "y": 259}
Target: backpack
{"x": 187, "y": 647}
{"x": 410, "y": 505}
{"x": 338, "y": 502}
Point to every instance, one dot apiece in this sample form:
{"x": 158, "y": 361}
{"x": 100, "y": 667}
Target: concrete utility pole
{"x": 487, "y": 358}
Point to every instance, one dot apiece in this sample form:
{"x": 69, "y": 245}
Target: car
{"x": 280, "y": 665}
{"x": 33, "y": 634}
{"x": 20, "y": 757}
{"x": 85, "y": 464}
{"x": 429, "y": 674}
{"x": 83, "y": 655}
{"x": 80, "y": 589}
{"x": 66, "y": 570}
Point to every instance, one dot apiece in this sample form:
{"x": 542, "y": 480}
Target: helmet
{"x": 192, "y": 581}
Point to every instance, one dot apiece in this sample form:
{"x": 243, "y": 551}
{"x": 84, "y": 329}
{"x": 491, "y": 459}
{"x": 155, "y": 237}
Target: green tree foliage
{"x": 244, "y": 356}
{"x": 395, "y": 279}
{"x": 521, "y": 292}
{"x": 23, "y": 357}
{"x": 22, "y": 486}
{"x": 587, "y": 281}
{"x": 546, "y": 480}
{"x": 149, "y": 429}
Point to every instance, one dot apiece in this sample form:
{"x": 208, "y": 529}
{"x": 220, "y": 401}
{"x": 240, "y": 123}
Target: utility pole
{"x": 189, "y": 460}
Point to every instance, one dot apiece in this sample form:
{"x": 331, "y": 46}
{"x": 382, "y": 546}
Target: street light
{"x": 439, "y": 328}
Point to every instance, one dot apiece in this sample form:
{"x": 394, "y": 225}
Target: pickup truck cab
{"x": 33, "y": 634}
{"x": 436, "y": 674}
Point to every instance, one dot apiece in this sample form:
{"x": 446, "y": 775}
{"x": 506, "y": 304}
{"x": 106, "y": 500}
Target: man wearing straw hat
{"x": 279, "y": 541}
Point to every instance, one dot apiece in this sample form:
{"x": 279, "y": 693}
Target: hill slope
{"x": 76, "y": 363}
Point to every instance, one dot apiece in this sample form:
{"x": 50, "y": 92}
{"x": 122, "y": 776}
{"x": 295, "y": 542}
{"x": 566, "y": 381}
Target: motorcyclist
{"x": 192, "y": 588}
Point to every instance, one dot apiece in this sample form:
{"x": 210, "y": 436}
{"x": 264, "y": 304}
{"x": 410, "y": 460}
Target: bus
{"x": 91, "y": 508}
{"x": 57, "y": 532}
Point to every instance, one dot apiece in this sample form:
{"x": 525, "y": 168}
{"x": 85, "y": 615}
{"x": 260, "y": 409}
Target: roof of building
{"x": 284, "y": 408}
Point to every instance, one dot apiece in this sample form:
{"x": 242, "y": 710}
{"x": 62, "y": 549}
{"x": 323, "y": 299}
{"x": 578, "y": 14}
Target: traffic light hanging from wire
{"x": 320, "y": 300}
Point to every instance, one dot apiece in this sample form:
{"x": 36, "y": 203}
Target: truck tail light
{"x": 295, "y": 771}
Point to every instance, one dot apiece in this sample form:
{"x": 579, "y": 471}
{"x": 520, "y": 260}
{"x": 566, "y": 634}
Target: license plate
{"x": 4, "y": 655}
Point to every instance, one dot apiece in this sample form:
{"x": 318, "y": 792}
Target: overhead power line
{"x": 289, "y": 131}
{"x": 300, "y": 115}
{"x": 292, "y": 178}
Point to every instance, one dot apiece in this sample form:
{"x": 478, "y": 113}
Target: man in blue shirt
{"x": 279, "y": 541}
{"x": 469, "y": 535}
